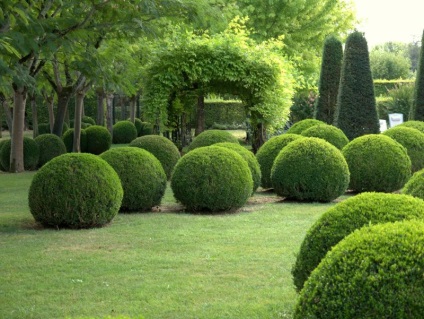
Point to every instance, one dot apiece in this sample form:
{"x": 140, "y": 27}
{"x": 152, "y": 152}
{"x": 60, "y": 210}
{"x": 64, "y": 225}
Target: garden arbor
{"x": 189, "y": 67}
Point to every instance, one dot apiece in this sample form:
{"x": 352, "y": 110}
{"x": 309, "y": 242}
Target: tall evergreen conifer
{"x": 332, "y": 57}
{"x": 417, "y": 110}
{"x": 356, "y": 112}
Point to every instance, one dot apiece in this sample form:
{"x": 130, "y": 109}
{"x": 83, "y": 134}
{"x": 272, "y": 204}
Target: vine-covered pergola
{"x": 226, "y": 63}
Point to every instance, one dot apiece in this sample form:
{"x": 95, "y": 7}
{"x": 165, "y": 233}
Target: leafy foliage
{"x": 124, "y": 132}
{"x": 299, "y": 127}
{"x": 50, "y": 146}
{"x": 90, "y": 192}
{"x": 389, "y": 65}
{"x": 2, "y": 168}
{"x": 417, "y": 110}
{"x": 330, "y": 133}
{"x": 210, "y": 137}
{"x": 142, "y": 177}
{"x": 377, "y": 163}
{"x": 31, "y": 154}
{"x": 146, "y": 129}
{"x": 364, "y": 277}
{"x": 99, "y": 139}
{"x": 400, "y": 99}
{"x": 344, "y": 218}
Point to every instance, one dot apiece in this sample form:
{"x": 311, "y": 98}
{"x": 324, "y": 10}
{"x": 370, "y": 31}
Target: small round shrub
{"x": 251, "y": 160}
{"x": 268, "y": 152}
{"x": 310, "y": 169}
{"x": 413, "y": 140}
{"x": 142, "y": 176}
{"x": 83, "y": 124}
{"x": 162, "y": 148}
{"x": 50, "y": 146}
{"x": 2, "y": 168}
{"x": 419, "y": 125}
{"x": 75, "y": 190}
{"x": 415, "y": 185}
{"x": 376, "y": 272}
{"x": 124, "y": 132}
{"x": 330, "y": 133}
{"x": 342, "y": 219}
{"x": 138, "y": 125}
{"x": 68, "y": 140}
{"x": 211, "y": 137}
{"x": 99, "y": 139}
{"x": 299, "y": 127}
{"x": 88, "y": 120}
{"x": 377, "y": 163}
{"x": 146, "y": 129}
{"x": 43, "y": 128}
{"x": 31, "y": 154}
{"x": 213, "y": 179}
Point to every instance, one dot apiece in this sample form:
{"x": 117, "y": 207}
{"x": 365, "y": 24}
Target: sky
{"x": 390, "y": 20}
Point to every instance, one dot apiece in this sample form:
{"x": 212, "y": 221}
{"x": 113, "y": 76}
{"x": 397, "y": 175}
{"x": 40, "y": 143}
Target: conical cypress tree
{"x": 332, "y": 57}
{"x": 356, "y": 112}
{"x": 417, "y": 110}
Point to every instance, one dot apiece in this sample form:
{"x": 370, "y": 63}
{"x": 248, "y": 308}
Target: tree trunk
{"x": 109, "y": 112}
{"x": 200, "y": 115}
{"x": 17, "y": 135}
{"x": 100, "y": 107}
{"x": 50, "y": 106}
{"x": 133, "y": 105}
{"x": 34, "y": 116}
{"x": 7, "y": 112}
{"x": 79, "y": 100}
{"x": 259, "y": 136}
{"x": 123, "y": 102}
{"x": 63, "y": 98}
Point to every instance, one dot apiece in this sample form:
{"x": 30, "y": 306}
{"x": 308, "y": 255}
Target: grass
{"x": 163, "y": 264}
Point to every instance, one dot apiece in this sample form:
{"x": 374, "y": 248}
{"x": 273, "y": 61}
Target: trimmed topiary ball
{"x": 310, "y": 169}
{"x": 419, "y": 125}
{"x": 213, "y": 179}
{"x": 31, "y": 154}
{"x": 268, "y": 152}
{"x": 376, "y": 272}
{"x": 50, "y": 146}
{"x": 146, "y": 129}
{"x": 299, "y": 127}
{"x": 415, "y": 185}
{"x": 124, "y": 132}
{"x": 377, "y": 163}
{"x": 2, "y": 142}
{"x": 43, "y": 128}
{"x": 330, "y": 133}
{"x": 342, "y": 219}
{"x": 162, "y": 148}
{"x": 142, "y": 176}
{"x": 75, "y": 190}
{"x": 211, "y": 137}
{"x": 138, "y": 125}
{"x": 251, "y": 160}
{"x": 413, "y": 140}
{"x": 99, "y": 139}
{"x": 88, "y": 120}
{"x": 68, "y": 140}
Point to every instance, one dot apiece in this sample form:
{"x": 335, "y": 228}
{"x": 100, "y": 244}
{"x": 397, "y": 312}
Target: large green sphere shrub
{"x": 415, "y": 185}
{"x": 2, "y": 142}
{"x": 213, "y": 179}
{"x": 330, "y": 133}
{"x": 124, "y": 132}
{"x": 88, "y": 120}
{"x": 268, "y": 152}
{"x": 251, "y": 160}
{"x": 50, "y": 146}
{"x": 377, "y": 163}
{"x": 310, "y": 169}
{"x": 162, "y": 148}
{"x": 419, "y": 125}
{"x": 413, "y": 140}
{"x": 142, "y": 176}
{"x": 146, "y": 129}
{"x": 138, "y": 125}
{"x": 376, "y": 272}
{"x": 342, "y": 219}
{"x": 75, "y": 190}
{"x": 31, "y": 154}
{"x": 211, "y": 137}
{"x": 68, "y": 140}
{"x": 99, "y": 139}
{"x": 299, "y": 127}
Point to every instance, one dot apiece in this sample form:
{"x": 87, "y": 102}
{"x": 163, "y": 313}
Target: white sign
{"x": 383, "y": 126}
{"x": 395, "y": 119}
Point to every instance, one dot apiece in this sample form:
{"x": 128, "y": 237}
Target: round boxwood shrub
{"x": 213, "y": 179}
{"x": 4, "y": 169}
{"x": 413, "y": 140}
{"x": 419, "y": 125}
{"x": 268, "y": 152}
{"x": 251, "y": 160}
{"x": 211, "y": 137}
{"x": 299, "y": 127}
{"x": 146, "y": 129}
{"x": 342, "y": 219}
{"x": 75, "y": 190}
{"x": 50, "y": 146}
{"x": 99, "y": 139}
{"x": 310, "y": 169}
{"x": 43, "y": 128}
{"x": 142, "y": 176}
{"x": 377, "y": 163}
{"x": 124, "y": 132}
{"x": 330, "y": 133}
{"x": 83, "y": 124}
{"x": 68, "y": 140}
{"x": 162, "y": 148}
{"x": 138, "y": 125}
{"x": 415, "y": 185}
{"x": 31, "y": 154}
{"x": 376, "y": 272}
{"x": 88, "y": 120}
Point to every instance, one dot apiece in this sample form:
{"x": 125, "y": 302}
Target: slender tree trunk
{"x": 17, "y": 146}
{"x": 123, "y": 102}
{"x": 133, "y": 105}
{"x": 50, "y": 106}
{"x": 100, "y": 107}
{"x": 79, "y": 101}
{"x": 34, "y": 116}
{"x": 109, "y": 112}
{"x": 259, "y": 136}
{"x": 200, "y": 115}
{"x": 7, "y": 112}
{"x": 63, "y": 98}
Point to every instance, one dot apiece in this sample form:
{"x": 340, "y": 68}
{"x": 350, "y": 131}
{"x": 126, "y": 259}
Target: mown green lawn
{"x": 163, "y": 264}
